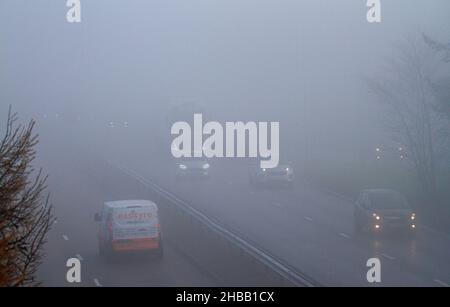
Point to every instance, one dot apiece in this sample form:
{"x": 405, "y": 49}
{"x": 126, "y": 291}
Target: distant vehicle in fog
{"x": 192, "y": 168}
{"x": 129, "y": 225}
{"x": 282, "y": 175}
{"x": 383, "y": 210}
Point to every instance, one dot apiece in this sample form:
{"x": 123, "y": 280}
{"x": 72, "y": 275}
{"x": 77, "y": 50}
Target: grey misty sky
{"x": 240, "y": 58}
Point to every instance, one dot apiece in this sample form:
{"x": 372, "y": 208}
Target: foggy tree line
{"x": 414, "y": 88}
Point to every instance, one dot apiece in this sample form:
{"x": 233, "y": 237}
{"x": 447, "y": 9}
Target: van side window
{"x": 106, "y": 214}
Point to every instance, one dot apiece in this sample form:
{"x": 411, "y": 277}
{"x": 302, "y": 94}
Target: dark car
{"x": 383, "y": 210}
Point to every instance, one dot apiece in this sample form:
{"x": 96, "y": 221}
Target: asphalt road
{"x": 79, "y": 186}
{"x": 309, "y": 228}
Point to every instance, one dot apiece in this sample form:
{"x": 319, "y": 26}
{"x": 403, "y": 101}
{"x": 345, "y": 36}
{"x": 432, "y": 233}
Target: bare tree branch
{"x": 25, "y": 214}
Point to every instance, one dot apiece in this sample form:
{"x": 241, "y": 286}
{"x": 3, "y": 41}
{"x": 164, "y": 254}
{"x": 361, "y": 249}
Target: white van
{"x": 129, "y": 225}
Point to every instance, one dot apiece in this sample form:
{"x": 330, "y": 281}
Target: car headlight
{"x": 376, "y": 216}
{"x": 206, "y": 166}
{"x": 413, "y": 216}
{"x": 182, "y": 166}
{"x": 263, "y": 169}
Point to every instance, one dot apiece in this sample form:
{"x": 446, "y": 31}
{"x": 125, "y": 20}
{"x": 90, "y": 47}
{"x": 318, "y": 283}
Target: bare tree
{"x": 441, "y": 87}
{"x": 405, "y": 90}
{"x": 25, "y": 213}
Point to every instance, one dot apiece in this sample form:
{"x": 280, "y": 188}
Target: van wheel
{"x": 357, "y": 227}
{"x": 159, "y": 252}
{"x": 101, "y": 250}
{"x": 105, "y": 252}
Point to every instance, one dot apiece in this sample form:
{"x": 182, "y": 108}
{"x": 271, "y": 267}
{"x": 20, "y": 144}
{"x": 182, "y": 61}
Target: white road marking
{"x": 388, "y": 256}
{"x": 97, "y": 283}
{"x": 441, "y": 283}
{"x": 308, "y": 218}
{"x": 65, "y": 237}
{"x": 79, "y": 257}
{"x": 344, "y": 235}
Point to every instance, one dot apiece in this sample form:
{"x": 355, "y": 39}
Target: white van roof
{"x": 127, "y": 203}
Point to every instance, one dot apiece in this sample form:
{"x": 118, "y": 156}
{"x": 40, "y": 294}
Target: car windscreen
{"x": 387, "y": 200}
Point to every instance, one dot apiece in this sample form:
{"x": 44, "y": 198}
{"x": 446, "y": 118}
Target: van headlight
{"x": 206, "y": 166}
{"x": 182, "y": 166}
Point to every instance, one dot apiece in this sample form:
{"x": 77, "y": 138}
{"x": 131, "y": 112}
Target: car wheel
{"x": 412, "y": 234}
{"x": 357, "y": 226}
{"x": 105, "y": 251}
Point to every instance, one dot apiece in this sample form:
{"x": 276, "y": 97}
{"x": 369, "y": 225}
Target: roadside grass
{"x": 350, "y": 178}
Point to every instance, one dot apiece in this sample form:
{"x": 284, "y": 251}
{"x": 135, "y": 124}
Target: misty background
{"x": 297, "y": 62}
{"x": 105, "y": 92}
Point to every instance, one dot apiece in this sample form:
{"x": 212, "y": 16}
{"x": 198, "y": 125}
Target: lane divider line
{"x": 344, "y": 235}
{"x": 285, "y": 270}
{"x": 441, "y": 283}
{"x": 388, "y": 256}
{"x": 66, "y": 238}
{"x": 97, "y": 283}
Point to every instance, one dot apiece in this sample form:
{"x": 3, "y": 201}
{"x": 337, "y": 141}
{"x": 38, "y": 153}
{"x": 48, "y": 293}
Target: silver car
{"x": 283, "y": 174}
{"x": 192, "y": 168}
{"x": 384, "y": 210}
